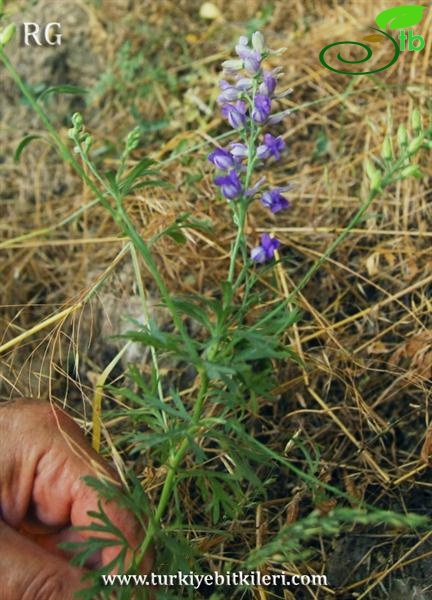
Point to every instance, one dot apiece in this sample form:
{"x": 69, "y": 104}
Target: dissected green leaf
{"x": 191, "y": 309}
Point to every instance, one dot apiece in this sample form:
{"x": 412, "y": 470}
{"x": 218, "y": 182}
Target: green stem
{"x": 243, "y": 202}
{"x": 65, "y": 153}
{"x": 173, "y": 464}
{"x": 123, "y": 220}
{"x": 117, "y": 213}
{"x": 131, "y": 232}
{"x": 146, "y": 314}
{"x": 241, "y": 218}
{"x": 386, "y": 180}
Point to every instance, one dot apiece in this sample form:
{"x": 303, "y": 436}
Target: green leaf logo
{"x": 400, "y": 17}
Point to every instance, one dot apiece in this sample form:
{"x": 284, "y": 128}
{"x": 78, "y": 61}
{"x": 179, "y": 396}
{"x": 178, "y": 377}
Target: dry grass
{"x": 366, "y": 334}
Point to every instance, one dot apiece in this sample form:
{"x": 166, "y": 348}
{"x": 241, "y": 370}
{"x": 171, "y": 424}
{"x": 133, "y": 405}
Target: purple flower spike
{"x": 262, "y": 107}
{"x": 268, "y": 86}
{"x": 265, "y": 251}
{"x": 230, "y": 185}
{"x": 274, "y": 200}
{"x": 239, "y": 151}
{"x": 235, "y": 113}
{"x": 272, "y": 146}
{"x": 222, "y": 159}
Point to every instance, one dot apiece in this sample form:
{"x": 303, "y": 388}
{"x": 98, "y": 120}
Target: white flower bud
{"x": 278, "y": 52}
{"x": 234, "y": 64}
{"x": 258, "y": 42}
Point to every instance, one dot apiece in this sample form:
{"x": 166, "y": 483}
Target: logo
{"x": 33, "y": 34}
{"x": 398, "y": 17}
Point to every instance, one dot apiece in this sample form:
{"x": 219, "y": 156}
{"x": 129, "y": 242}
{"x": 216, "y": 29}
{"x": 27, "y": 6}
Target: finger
{"x": 28, "y": 571}
{"x": 52, "y": 542}
{"x": 48, "y": 481}
{"x": 84, "y": 461}
{"x": 86, "y": 500}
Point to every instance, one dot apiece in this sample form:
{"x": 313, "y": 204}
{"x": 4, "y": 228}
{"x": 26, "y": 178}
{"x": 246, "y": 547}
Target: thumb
{"x": 28, "y": 571}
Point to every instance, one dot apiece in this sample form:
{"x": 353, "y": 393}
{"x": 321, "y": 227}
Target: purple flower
{"x": 278, "y": 117}
{"x": 235, "y": 113}
{"x": 265, "y": 251}
{"x": 255, "y": 188}
{"x": 262, "y": 107}
{"x": 242, "y": 46}
{"x": 222, "y": 159}
{"x": 244, "y": 83}
{"x": 252, "y": 63}
{"x": 239, "y": 151}
{"x": 229, "y": 92}
{"x": 230, "y": 185}
{"x": 268, "y": 85}
{"x": 243, "y": 51}
{"x": 274, "y": 200}
{"x": 272, "y": 146}
{"x": 251, "y": 58}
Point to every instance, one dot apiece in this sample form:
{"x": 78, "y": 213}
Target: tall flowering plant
{"x": 235, "y": 359}
{"x": 247, "y": 99}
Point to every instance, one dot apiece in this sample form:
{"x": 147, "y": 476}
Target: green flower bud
{"x": 402, "y": 136}
{"x": 376, "y": 181}
{"x": 415, "y": 144}
{"x": 7, "y": 34}
{"x": 386, "y": 151}
{"x": 87, "y": 142}
{"x": 416, "y": 121}
{"x": 371, "y": 170}
{"x": 77, "y": 121}
{"x": 411, "y": 171}
{"x": 133, "y": 139}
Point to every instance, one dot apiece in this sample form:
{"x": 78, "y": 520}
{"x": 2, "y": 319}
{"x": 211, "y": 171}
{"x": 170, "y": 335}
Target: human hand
{"x": 43, "y": 456}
